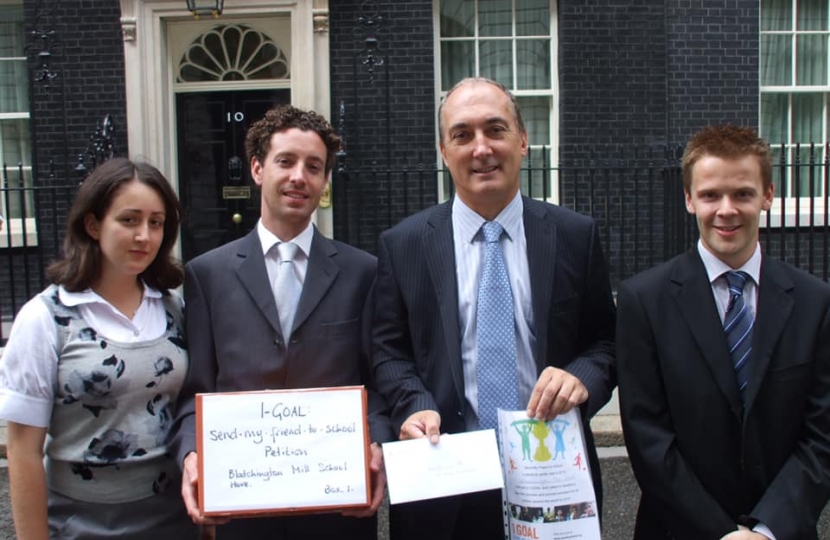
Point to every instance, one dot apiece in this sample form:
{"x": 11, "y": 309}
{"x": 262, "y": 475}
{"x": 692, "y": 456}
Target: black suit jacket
{"x": 236, "y": 343}
{"x": 417, "y": 341}
{"x": 702, "y": 459}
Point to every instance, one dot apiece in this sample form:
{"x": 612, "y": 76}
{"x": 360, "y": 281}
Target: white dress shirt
{"x": 715, "y": 268}
{"x": 269, "y": 242}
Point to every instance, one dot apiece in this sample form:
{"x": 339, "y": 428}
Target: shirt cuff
{"x": 760, "y": 528}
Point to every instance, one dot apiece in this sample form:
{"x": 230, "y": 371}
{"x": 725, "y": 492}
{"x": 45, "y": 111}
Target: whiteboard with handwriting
{"x": 282, "y": 451}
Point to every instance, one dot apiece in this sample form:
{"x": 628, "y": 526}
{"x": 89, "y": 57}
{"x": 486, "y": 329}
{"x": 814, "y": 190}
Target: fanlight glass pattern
{"x": 233, "y": 53}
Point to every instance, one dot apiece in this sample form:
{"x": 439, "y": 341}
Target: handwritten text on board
{"x": 283, "y": 450}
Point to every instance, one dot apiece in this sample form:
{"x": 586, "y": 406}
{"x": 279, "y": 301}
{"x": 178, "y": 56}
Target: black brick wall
{"x": 612, "y": 72}
{"x": 88, "y": 59}
{"x": 389, "y": 114}
{"x": 713, "y": 63}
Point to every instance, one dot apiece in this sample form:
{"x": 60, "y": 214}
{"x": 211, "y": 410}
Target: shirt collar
{"x": 269, "y": 239}
{"x": 468, "y": 222}
{"x": 88, "y": 296}
{"x": 715, "y": 267}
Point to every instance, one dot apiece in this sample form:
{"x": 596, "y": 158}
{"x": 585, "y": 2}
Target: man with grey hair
{"x": 490, "y": 300}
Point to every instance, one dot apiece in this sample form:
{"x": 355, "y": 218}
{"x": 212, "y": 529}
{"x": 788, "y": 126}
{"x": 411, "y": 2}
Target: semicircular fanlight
{"x": 233, "y": 52}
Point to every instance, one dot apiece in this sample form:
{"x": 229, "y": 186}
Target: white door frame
{"x": 149, "y": 71}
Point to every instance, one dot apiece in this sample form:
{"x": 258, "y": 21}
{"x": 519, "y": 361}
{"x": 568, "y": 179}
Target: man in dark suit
{"x": 238, "y": 339}
{"x": 725, "y": 382}
{"x": 429, "y": 269}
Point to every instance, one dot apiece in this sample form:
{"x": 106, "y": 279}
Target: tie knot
{"x": 288, "y": 250}
{"x": 736, "y": 281}
{"x": 492, "y": 231}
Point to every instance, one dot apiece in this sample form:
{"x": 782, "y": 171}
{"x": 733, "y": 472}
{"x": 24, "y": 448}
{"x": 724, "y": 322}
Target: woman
{"x": 96, "y": 362}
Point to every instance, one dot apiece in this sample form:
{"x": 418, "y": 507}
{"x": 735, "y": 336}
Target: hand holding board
{"x": 281, "y": 451}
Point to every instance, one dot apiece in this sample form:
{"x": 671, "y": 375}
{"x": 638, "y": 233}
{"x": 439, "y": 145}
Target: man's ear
{"x": 256, "y": 170}
{"x": 92, "y": 226}
{"x": 769, "y": 195}
{"x": 690, "y": 208}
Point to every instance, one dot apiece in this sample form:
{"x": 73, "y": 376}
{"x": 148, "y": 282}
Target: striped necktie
{"x": 737, "y": 325}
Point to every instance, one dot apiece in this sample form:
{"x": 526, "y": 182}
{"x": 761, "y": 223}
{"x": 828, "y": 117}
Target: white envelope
{"x": 459, "y": 463}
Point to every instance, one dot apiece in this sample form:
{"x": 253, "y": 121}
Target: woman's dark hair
{"x": 80, "y": 266}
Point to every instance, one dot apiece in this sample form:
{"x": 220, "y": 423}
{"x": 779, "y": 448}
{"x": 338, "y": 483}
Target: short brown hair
{"x": 517, "y": 111}
{"x": 726, "y": 142}
{"x": 282, "y": 117}
{"x": 80, "y": 266}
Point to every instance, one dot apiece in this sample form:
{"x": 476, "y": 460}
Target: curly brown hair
{"x": 727, "y": 142}
{"x": 80, "y": 266}
{"x": 282, "y": 117}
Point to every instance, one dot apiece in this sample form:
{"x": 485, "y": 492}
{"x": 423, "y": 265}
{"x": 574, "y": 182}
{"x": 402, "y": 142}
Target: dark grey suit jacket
{"x": 417, "y": 341}
{"x": 234, "y": 336}
{"x": 702, "y": 459}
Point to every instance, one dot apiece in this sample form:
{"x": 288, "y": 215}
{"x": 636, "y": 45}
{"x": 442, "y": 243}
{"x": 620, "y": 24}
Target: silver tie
{"x": 287, "y": 287}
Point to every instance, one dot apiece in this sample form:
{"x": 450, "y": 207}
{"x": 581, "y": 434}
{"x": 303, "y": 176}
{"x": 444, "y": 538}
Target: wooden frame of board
{"x": 238, "y": 410}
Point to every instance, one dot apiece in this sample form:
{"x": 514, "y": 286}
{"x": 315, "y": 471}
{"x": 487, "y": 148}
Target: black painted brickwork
{"x": 713, "y": 64}
{"x": 389, "y": 114}
{"x": 88, "y": 58}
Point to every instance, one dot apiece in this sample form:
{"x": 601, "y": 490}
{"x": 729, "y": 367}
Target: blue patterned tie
{"x": 496, "y": 370}
{"x": 737, "y": 324}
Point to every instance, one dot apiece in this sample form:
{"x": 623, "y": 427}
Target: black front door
{"x": 220, "y": 200}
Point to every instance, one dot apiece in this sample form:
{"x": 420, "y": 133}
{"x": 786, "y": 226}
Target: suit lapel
{"x": 540, "y": 235}
{"x": 254, "y": 278}
{"x": 320, "y": 275}
{"x": 774, "y": 308}
{"x": 693, "y": 293}
{"x": 439, "y": 251}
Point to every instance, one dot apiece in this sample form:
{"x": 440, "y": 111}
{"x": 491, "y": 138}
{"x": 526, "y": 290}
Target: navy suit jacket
{"x": 701, "y": 457}
{"x": 417, "y": 340}
{"x": 234, "y": 336}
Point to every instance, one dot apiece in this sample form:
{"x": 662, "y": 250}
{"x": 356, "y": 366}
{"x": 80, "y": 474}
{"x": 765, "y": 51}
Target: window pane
{"x": 536, "y": 115}
{"x": 777, "y": 171}
{"x": 807, "y": 114}
{"x": 535, "y": 173}
{"x": 457, "y": 18}
{"x": 496, "y": 61}
{"x": 774, "y": 116}
{"x": 806, "y": 173}
{"x": 14, "y": 142}
{"x": 11, "y": 31}
{"x": 812, "y": 60}
{"x": 533, "y": 18}
{"x": 457, "y": 62}
{"x": 811, "y": 15}
{"x": 14, "y": 87}
{"x": 776, "y": 14}
{"x": 776, "y": 61}
{"x": 533, "y": 59}
{"x": 18, "y": 199}
{"x": 495, "y": 18}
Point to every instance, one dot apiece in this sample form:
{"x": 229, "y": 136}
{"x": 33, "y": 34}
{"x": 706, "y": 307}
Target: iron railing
{"x": 636, "y": 197}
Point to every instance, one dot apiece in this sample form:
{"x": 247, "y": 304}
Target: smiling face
{"x": 131, "y": 231}
{"x": 483, "y": 146}
{"x": 727, "y": 197}
{"x": 292, "y": 178}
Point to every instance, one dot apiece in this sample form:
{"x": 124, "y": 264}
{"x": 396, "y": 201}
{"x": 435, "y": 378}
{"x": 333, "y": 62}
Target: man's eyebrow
{"x": 489, "y": 121}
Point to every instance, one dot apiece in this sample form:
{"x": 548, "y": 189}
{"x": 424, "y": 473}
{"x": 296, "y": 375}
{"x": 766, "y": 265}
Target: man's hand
{"x": 378, "y": 474}
{"x": 556, "y": 391}
{"x": 190, "y": 492}
{"x": 422, "y": 424}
